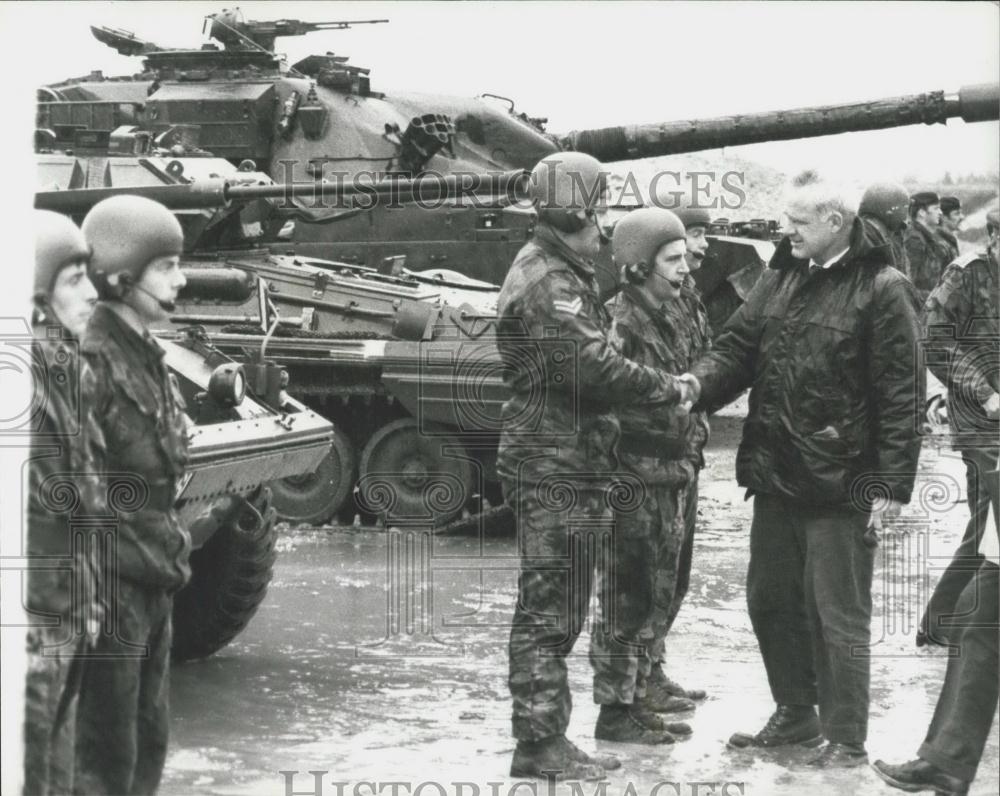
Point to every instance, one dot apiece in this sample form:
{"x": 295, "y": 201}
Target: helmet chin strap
{"x": 126, "y": 281}
{"x": 166, "y": 306}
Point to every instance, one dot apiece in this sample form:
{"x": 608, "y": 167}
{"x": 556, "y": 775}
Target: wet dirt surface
{"x": 377, "y": 679}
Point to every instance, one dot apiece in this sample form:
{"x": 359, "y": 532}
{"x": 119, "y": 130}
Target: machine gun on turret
{"x": 230, "y": 28}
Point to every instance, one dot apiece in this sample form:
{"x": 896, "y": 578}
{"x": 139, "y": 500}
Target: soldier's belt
{"x": 646, "y": 445}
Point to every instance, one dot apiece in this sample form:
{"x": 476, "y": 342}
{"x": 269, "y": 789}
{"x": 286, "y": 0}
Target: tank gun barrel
{"x": 977, "y": 103}
{"x": 210, "y": 194}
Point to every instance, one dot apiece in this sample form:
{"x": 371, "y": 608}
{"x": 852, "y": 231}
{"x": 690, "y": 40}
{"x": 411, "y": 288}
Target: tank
{"x": 241, "y": 440}
{"x": 386, "y": 309}
{"x": 360, "y": 344}
{"x": 324, "y": 117}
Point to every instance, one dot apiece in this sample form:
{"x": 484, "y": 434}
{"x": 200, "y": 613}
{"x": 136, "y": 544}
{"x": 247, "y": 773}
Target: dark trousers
{"x": 52, "y": 686}
{"x": 968, "y": 700}
{"x": 940, "y": 610}
{"x": 809, "y": 596}
{"x": 123, "y": 717}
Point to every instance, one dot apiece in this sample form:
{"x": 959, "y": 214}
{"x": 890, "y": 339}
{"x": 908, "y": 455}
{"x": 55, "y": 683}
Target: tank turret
{"x": 369, "y": 295}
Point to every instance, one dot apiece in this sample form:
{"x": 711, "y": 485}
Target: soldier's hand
{"x": 992, "y": 406}
{"x": 690, "y": 390}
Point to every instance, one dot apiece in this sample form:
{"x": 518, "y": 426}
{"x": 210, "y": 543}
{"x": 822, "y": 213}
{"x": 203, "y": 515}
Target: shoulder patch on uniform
{"x": 572, "y": 307}
{"x": 968, "y": 258}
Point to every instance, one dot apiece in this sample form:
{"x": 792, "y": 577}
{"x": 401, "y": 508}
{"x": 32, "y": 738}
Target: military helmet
{"x": 638, "y": 237}
{"x": 993, "y": 222}
{"x": 887, "y": 202}
{"x": 693, "y": 217}
{"x": 564, "y": 183}
{"x": 126, "y": 233}
{"x": 58, "y": 243}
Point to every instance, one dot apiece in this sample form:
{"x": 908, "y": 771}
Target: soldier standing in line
{"x": 123, "y": 717}
{"x": 967, "y": 302}
{"x": 555, "y": 458}
{"x": 962, "y": 317}
{"x": 636, "y": 586}
{"x": 951, "y": 223}
{"x": 926, "y": 251}
{"x": 691, "y": 338}
{"x": 884, "y": 209}
{"x": 61, "y": 464}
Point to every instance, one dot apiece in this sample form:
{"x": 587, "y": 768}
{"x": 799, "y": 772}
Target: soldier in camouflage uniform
{"x": 966, "y": 308}
{"x": 926, "y": 251}
{"x": 691, "y": 338}
{"x": 884, "y": 209}
{"x": 555, "y": 457}
{"x": 951, "y": 223}
{"x": 638, "y": 585}
{"x": 62, "y": 491}
{"x": 123, "y": 718}
{"x": 962, "y": 317}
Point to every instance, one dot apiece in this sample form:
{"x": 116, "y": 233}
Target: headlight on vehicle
{"x": 228, "y": 384}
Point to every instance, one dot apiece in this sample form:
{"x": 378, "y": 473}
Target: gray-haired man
{"x": 826, "y": 341}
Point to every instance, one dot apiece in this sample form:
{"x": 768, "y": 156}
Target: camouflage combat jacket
{"x": 140, "y": 413}
{"x": 928, "y": 255}
{"x": 655, "y": 448}
{"x": 563, "y": 374}
{"x": 64, "y": 496}
{"x": 961, "y": 326}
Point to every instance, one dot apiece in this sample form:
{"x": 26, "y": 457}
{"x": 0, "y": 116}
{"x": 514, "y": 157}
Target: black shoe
{"x": 620, "y": 723}
{"x": 924, "y": 640}
{"x": 679, "y": 729}
{"x": 789, "y": 724}
{"x": 840, "y": 755}
{"x": 918, "y": 775}
{"x": 659, "y": 677}
{"x": 552, "y": 758}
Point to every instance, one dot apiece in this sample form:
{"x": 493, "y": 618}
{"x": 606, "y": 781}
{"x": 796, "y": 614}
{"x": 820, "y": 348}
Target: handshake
{"x": 690, "y": 391}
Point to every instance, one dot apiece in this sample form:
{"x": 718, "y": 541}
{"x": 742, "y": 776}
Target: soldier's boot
{"x": 659, "y": 678}
{"x": 607, "y": 762}
{"x": 789, "y": 724}
{"x": 623, "y": 724}
{"x": 658, "y": 697}
{"x": 553, "y": 758}
{"x": 679, "y": 729}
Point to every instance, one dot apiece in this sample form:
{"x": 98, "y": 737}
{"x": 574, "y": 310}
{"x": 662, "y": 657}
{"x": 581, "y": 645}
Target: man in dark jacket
{"x": 63, "y": 497}
{"x": 123, "y": 720}
{"x": 556, "y": 460}
{"x": 826, "y": 341}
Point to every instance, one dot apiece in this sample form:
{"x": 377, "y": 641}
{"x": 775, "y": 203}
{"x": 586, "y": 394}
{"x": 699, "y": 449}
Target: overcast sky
{"x": 599, "y": 64}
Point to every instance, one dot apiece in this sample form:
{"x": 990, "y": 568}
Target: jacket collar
{"x": 863, "y": 250}
{"x": 106, "y": 325}
{"x": 547, "y": 239}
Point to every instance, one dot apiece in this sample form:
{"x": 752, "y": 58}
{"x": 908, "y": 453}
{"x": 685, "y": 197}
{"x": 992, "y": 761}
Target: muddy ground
{"x": 374, "y": 679}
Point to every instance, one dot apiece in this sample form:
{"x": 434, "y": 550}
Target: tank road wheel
{"x": 229, "y": 579}
{"x": 314, "y": 497}
{"x": 406, "y": 474}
